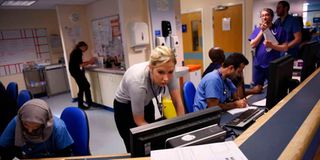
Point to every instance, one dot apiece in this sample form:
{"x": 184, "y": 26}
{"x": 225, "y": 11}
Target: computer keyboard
{"x": 245, "y": 117}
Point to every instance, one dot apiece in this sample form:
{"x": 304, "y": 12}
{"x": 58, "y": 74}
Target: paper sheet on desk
{"x": 261, "y": 103}
{"x": 270, "y": 37}
{"x": 240, "y": 110}
{"x": 215, "y": 151}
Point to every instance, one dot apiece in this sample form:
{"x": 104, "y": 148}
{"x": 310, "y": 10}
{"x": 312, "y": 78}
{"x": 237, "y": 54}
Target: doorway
{"x": 192, "y": 38}
{"x": 227, "y": 28}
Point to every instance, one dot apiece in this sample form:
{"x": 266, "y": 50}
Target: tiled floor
{"x": 104, "y": 136}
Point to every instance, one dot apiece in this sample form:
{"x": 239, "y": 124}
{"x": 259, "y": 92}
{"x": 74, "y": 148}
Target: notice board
{"x": 107, "y": 37}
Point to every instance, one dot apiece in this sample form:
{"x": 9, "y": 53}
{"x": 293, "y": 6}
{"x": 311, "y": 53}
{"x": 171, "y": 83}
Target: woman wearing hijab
{"x": 35, "y": 133}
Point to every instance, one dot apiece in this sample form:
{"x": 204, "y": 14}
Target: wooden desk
{"x": 296, "y": 146}
{"x": 302, "y": 138}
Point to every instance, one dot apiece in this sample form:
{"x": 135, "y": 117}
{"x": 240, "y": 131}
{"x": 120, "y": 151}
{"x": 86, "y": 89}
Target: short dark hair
{"x": 216, "y": 55}
{"x": 81, "y": 44}
{"x": 235, "y": 59}
{"x": 285, "y": 4}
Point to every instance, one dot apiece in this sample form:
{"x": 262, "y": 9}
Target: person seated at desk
{"x": 141, "y": 83}
{"x": 217, "y": 57}
{"x": 35, "y": 133}
{"x": 216, "y": 88}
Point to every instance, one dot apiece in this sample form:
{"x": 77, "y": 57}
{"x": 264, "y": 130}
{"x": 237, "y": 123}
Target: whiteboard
{"x": 20, "y": 46}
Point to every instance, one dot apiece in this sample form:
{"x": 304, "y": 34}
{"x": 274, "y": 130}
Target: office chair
{"x": 12, "y": 90}
{"x": 189, "y": 92}
{"x": 23, "y": 97}
{"x": 77, "y": 124}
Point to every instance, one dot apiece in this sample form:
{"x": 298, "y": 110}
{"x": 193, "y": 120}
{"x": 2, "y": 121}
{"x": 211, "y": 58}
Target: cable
{"x": 230, "y": 132}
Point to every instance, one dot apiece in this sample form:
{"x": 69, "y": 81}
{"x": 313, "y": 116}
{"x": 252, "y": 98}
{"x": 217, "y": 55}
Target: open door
{"x": 192, "y": 38}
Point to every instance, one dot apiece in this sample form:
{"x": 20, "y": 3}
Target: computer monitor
{"x": 309, "y": 53}
{"x": 280, "y": 75}
{"x": 153, "y": 136}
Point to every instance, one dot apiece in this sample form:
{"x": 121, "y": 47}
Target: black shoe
{"x": 84, "y": 107}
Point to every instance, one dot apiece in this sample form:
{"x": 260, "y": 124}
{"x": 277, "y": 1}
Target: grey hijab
{"x": 36, "y": 111}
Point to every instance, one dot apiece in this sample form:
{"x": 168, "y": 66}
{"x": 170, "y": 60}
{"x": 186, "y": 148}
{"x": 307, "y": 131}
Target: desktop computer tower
{"x": 209, "y": 134}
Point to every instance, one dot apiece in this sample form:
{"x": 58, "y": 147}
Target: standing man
{"x": 216, "y": 88}
{"x": 291, "y": 26}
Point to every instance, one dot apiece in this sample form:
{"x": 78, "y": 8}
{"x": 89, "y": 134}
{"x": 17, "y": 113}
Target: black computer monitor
{"x": 280, "y": 75}
{"x": 309, "y": 52}
{"x": 153, "y": 136}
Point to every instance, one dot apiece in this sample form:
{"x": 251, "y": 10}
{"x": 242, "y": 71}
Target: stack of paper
{"x": 270, "y": 37}
{"x": 215, "y": 151}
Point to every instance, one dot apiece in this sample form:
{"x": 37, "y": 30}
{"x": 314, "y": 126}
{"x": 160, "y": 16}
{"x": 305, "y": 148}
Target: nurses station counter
{"x": 105, "y": 81}
{"x": 290, "y": 130}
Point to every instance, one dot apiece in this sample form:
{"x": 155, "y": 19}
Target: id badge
{"x": 158, "y": 108}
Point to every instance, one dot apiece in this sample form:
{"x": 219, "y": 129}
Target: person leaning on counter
{"x": 77, "y": 72}
{"x": 140, "y": 84}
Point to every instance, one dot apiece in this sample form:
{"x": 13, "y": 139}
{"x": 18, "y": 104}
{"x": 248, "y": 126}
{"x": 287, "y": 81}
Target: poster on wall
{"x": 226, "y": 24}
{"x": 107, "y": 39}
{"x": 20, "y": 46}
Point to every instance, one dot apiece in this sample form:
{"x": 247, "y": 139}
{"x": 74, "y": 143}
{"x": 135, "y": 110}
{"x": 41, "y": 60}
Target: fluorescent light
{"x": 17, "y": 3}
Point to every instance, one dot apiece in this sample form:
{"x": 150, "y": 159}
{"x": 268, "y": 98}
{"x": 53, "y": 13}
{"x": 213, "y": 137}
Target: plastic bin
{"x": 168, "y": 108}
{"x": 194, "y": 74}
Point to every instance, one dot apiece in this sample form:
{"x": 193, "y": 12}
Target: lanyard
{"x": 159, "y": 103}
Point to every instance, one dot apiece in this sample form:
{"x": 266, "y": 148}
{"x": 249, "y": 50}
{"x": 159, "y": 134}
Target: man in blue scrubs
{"x": 291, "y": 25}
{"x": 216, "y": 88}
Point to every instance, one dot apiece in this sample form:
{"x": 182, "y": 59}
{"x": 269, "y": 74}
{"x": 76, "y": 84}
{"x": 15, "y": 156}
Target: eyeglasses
{"x": 265, "y": 15}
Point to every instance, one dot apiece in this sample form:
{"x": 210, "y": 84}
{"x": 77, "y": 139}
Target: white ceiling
{"x": 50, "y": 4}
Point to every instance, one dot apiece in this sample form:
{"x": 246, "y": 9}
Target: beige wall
{"x": 71, "y": 33}
{"x": 17, "y": 19}
{"x": 99, "y": 9}
{"x": 133, "y": 11}
{"x": 206, "y": 7}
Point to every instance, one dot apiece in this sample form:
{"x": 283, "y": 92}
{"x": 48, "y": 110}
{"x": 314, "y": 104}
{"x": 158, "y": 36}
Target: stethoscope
{"x": 224, "y": 87}
{"x": 159, "y": 103}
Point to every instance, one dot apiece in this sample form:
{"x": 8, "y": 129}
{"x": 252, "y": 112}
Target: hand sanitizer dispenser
{"x": 174, "y": 41}
{"x": 160, "y": 41}
{"x": 139, "y": 35}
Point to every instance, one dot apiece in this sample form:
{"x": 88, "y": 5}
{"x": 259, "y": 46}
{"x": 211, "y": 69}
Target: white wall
{"x": 71, "y": 33}
{"x": 100, "y": 9}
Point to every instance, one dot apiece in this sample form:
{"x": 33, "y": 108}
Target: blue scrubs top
{"x": 262, "y": 58}
{"x": 291, "y": 26}
{"x": 213, "y": 86}
{"x": 59, "y": 139}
